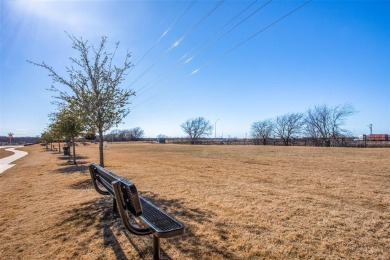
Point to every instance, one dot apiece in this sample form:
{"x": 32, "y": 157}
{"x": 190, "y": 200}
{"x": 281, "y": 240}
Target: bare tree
{"x": 196, "y": 128}
{"x": 262, "y": 130}
{"x": 289, "y": 126}
{"x": 136, "y": 133}
{"x": 93, "y": 81}
{"x": 114, "y": 135}
{"x": 323, "y": 123}
{"x": 132, "y": 134}
{"x": 121, "y": 135}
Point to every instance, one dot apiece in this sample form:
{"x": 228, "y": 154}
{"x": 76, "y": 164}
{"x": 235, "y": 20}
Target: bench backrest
{"x": 110, "y": 181}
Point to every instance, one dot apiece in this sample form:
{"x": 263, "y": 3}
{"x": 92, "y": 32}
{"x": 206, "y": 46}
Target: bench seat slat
{"x": 162, "y": 224}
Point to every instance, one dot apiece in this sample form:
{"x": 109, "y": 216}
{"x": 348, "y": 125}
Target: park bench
{"x": 132, "y": 207}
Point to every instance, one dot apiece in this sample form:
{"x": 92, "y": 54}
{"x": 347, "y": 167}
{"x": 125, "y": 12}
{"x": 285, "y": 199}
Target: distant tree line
{"x": 20, "y": 140}
{"x": 133, "y": 134}
{"x": 322, "y": 125}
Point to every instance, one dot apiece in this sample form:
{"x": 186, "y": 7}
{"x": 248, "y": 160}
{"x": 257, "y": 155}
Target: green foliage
{"x": 92, "y": 88}
{"x": 68, "y": 124}
{"x": 47, "y": 137}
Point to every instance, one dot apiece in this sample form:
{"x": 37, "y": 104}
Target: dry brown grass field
{"x": 237, "y": 202}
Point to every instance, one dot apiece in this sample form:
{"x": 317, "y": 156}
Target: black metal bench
{"x": 132, "y": 206}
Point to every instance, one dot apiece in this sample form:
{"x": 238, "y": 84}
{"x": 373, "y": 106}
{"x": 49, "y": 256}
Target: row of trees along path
{"x": 90, "y": 96}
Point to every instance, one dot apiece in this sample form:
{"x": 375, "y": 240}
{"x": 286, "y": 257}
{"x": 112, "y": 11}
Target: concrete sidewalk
{"x": 5, "y": 163}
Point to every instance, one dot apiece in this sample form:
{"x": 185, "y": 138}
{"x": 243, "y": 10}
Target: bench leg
{"x": 115, "y": 207}
{"x": 156, "y": 248}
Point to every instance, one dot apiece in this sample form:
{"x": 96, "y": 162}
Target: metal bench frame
{"x": 130, "y": 204}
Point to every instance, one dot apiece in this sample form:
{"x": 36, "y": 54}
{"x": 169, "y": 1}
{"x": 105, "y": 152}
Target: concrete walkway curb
{"x": 5, "y": 163}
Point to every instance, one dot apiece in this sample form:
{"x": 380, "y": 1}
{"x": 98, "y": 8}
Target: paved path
{"x": 5, "y": 163}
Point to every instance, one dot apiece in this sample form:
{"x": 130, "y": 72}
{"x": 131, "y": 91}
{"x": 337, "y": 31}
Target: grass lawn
{"x": 4, "y": 153}
{"x": 237, "y": 202}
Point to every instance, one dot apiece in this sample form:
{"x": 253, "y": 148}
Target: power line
{"x": 220, "y": 29}
{"x": 230, "y": 30}
{"x": 176, "y": 43}
{"x": 230, "y": 50}
{"x": 166, "y": 31}
{"x": 209, "y": 45}
{"x": 249, "y": 38}
{"x": 158, "y": 93}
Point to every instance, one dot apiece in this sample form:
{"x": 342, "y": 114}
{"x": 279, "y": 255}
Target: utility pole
{"x": 370, "y": 126}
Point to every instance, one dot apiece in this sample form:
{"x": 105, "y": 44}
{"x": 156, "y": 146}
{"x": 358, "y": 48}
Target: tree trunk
{"x": 101, "y": 148}
{"x": 59, "y": 146}
{"x": 74, "y": 151}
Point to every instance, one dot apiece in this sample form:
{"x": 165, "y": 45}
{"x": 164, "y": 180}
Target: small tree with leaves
{"x": 197, "y": 128}
{"x": 92, "y": 87}
{"x": 70, "y": 125}
{"x": 56, "y": 133}
{"x": 47, "y": 137}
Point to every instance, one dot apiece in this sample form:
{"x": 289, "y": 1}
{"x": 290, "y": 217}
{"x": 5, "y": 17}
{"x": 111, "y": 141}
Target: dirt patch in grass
{"x": 237, "y": 202}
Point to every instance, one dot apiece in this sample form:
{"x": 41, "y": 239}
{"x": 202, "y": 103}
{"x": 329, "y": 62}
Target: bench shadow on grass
{"x": 98, "y": 214}
{"x": 94, "y": 216}
{"x": 82, "y": 185}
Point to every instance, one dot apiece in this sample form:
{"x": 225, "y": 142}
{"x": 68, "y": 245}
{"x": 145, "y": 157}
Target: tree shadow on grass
{"x": 67, "y": 166}
{"x": 70, "y": 158}
{"x": 98, "y": 215}
{"x": 74, "y": 168}
{"x": 82, "y": 185}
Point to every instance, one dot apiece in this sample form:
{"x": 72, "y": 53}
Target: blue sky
{"x": 327, "y": 52}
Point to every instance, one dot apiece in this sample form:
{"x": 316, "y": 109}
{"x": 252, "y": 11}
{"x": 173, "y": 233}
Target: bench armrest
{"x": 123, "y": 214}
